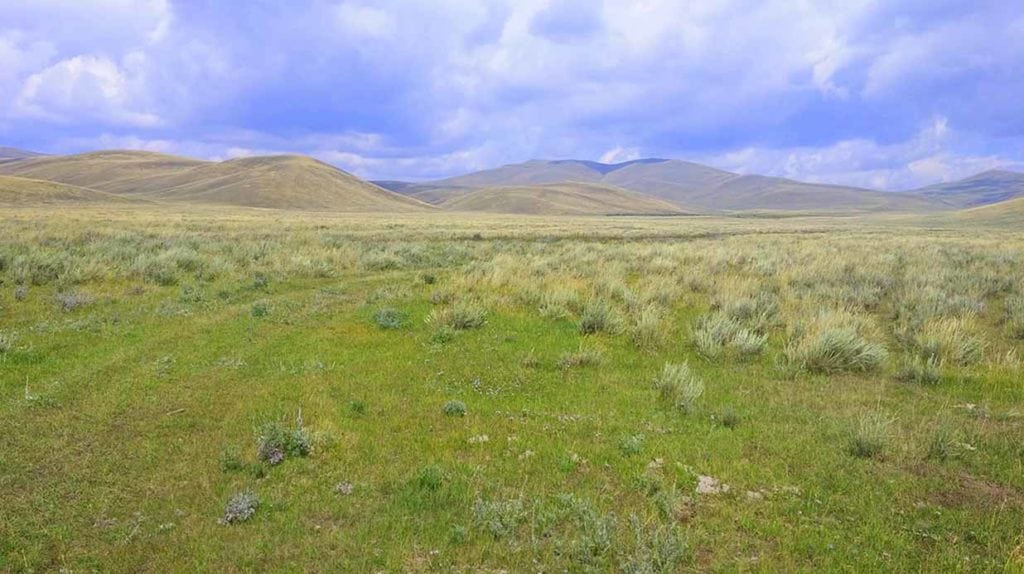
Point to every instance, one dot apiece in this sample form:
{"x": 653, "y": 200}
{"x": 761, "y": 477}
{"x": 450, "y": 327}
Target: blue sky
{"x": 890, "y": 94}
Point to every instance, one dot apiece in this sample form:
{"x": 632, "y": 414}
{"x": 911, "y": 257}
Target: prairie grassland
{"x": 224, "y": 391}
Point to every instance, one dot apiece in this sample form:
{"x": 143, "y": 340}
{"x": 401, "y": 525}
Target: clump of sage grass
{"x": 718, "y": 334}
{"x": 835, "y": 342}
{"x": 870, "y": 436}
{"x": 454, "y": 409}
{"x": 240, "y": 507}
{"x": 583, "y": 357}
{"x": 388, "y": 318}
{"x": 461, "y": 316}
{"x": 275, "y": 442}
{"x": 599, "y": 317}
{"x": 679, "y": 386}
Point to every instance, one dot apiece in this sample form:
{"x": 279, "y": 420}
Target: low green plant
{"x": 240, "y": 507}
{"x": 388, "y": 318}
{"x": 454, "y": 409}
{"x": 499, "y": 518}
{"x": 275, "y": 442}
{"x": 921, "y": 371}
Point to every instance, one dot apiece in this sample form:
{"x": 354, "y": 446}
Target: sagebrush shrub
{"x": 599, "y": 317}
{"x": 835, "y": 342}
{"x": 71, "y": 300}
{"x": 1014, "y": 316}
{"x": 950, "y": 340}
{"x": 275, "y": 442}
{"x": 499, "y": 518}
{"x": 390, "y": 318}
{"x": 647, "y": 330}
{"x": 240, "y": 507}
{"x": 454, "y": 409}
{"x": 718, "y": 334}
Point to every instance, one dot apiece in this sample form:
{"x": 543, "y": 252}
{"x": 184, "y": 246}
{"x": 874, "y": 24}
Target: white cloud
{"x": 89, "y": 86}
{"x": 620, "y": 154}
{"x": 931, "y": 156}
{"x": 365, "y": 22}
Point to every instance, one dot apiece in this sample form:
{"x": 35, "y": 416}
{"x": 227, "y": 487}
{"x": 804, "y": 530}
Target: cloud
{"x": 620, "y": 154}
{"x": 411, "y": 89}
{"x": 88, "y": 86}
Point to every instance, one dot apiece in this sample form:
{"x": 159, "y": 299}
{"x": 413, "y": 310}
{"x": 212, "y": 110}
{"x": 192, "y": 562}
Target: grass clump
{"x": 71, "y": 300}
{"x": 275, "y": 442}
{"x": 632, "y": 444}
{"x": 240, "y": 507}
{"x": 454, "y": 409}
{"x": 835, "y": 342}
{"x": 921, "y": 371}
{"x": 729, "y": 418}
{"x": 499, "y": 518}
{"x": 870, "y": 436}
{"x": 231, "y": 460}
{"x": 655, "y": 549}
{"x": 599, "y": 317}
{"x": 679, "y": 386}
{"x": 390, "y": 318}
{"x": 951, "y": 340}
{"x": 1013, "y": 316}
{"x": 7, "y": 342}
{"x": 260, "y": 309}
{"x": 718, "y": 334}
{"x": 647, "y": 330}
{"x": 430, "y": 478}
{"x": 583, "y": 357}
{"x": 20, "y": 293}
{"x": 461, "y": 317}
{"x": 946, "y": 443}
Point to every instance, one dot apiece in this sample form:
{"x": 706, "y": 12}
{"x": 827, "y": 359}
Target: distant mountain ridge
{"x": 686, "y": 184}
{"x": 10, "y": 153}
{"x": 985, "y": 188}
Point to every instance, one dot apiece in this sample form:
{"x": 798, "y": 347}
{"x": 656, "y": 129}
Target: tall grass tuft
{"x": 461, "y": 316}
{"x": 870, "y": 436}
{"x": 1014, "y": 316}
{"x": 599, "y": 317}
{"x": 679, "y": 386}
{"x": 647, "y": 330}
{"x": 835, "y": 342}
{"x": 718, "y": 334}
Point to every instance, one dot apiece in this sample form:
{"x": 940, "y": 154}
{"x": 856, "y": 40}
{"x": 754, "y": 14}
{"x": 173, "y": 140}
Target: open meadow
{"x": 243, "y": 390}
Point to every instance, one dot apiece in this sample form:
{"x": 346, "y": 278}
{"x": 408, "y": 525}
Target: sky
{"x": 889, "y": 94}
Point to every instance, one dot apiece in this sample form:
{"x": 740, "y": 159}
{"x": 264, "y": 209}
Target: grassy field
{"x": 225, "y": 390}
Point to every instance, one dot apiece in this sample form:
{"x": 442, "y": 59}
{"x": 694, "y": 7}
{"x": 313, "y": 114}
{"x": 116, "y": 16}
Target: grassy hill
{"x": 982, "y": 189}
{"x": 10, "y": 153}
{"x": 1004, "y": 213}
{"x": 686, "y": 184}
{"x": 281, "y": 182}
{"x": 20, "y": 191}
{"x": 560, "y": 199}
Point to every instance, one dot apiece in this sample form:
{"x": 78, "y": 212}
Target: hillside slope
{"x": 561, "y": 199}
{"x": 982, "y": 189}
{"x": 10, "y": 153}
{"x": 1009, "y": 212}
{"x": 23, "y": 192}
{"x": 279, "y": 182}
{"x": 686, "y": 184}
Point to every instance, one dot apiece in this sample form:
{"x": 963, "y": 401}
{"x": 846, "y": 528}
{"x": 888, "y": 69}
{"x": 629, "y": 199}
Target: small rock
{"x": 710, "y": 485}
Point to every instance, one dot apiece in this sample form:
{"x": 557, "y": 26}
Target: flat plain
{"x": 208, "y": 389}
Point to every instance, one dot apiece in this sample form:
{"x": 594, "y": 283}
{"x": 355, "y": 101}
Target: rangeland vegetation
{"x": 242, "y": 390}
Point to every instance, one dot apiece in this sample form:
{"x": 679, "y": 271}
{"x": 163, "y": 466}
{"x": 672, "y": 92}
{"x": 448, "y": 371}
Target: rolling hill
{"x": 10, "y": 153}
{"x": 685, "y": 184}
{"x": 982, "y": 189}
{"x": 279, "y": 182}
{"x": 20, "y": 191}
{"x": 560, "y": 199}
{"x": 1010, "y": 212}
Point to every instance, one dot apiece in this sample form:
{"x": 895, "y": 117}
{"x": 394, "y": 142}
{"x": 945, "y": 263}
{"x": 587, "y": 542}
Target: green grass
{"x": 131, "y": 420}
